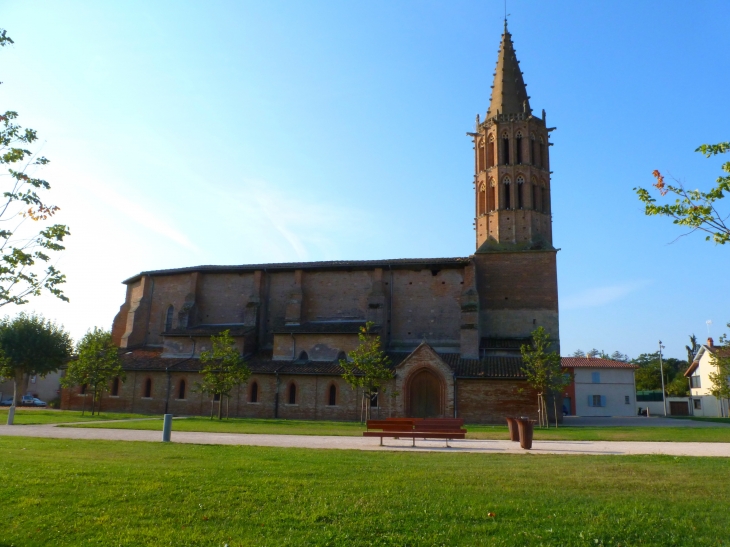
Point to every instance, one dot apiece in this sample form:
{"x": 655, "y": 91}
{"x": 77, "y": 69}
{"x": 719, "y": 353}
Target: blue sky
{"x": 185, "y": 133}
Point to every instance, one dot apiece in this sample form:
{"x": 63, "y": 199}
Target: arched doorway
{"x": 425, "y": 395}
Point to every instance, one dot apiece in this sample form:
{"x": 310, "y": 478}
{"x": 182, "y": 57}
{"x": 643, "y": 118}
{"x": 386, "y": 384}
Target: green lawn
{"x": 27, "y": 416}
{"x": 303, "y": 427}
{"x": 62, "y": 492}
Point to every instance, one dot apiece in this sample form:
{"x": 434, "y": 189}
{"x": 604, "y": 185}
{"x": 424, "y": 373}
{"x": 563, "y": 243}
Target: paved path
{"x": 363, "y": 443}
{"x": 638, "y": 421}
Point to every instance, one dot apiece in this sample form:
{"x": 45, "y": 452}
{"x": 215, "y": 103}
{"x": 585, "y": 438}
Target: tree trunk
{"x": 212, "y": 406}
{"x": 220, "y": 407}
{"x": 228, "y": 408}
{"x": 83, "y": 404}
{"x": 555, "y": 409}
{"x": 101, "y": 394}
{"x": 93, "y": 401}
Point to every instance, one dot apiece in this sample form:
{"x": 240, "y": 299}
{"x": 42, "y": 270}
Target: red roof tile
{"x": 593, "y": 362}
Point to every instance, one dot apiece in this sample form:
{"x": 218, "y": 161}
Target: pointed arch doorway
{"x": 425, "y": 395}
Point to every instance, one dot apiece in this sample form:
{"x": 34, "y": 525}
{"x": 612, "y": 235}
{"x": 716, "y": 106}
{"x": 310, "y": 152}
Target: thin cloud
{"x": 600, "y": 296}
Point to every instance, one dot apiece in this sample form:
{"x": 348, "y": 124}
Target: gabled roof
{"x": 509, "y": 93}
{"x": 593, "y": 362}
{"x": 720, "y": 350}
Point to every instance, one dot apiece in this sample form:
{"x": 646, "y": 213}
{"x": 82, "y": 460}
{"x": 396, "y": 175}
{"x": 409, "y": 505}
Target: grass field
{"x": 27, "y": 416}
{"x": 63, "y": 493}
{"x": 302, "y": 427}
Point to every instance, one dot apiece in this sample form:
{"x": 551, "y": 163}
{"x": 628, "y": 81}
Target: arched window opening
{"x": 148, "y": 388}
{"x": 507, "y": 204}
{"x": 115, "y": 387}
{"x": 332, "y": 400}
{"x": 520, "y": 186}
{"x": 181, "y": 390}
{"x": 505, "y": 149}
{"x": 545, "y": 199}
{"x": 342, "y": 356}
{"x": 374, "y": 399}
{"x": 292, "y": 393}
{"x": 303, "y": 356}
{"x": 168, "y": 318}
{"x": 493, "y": 195}
{"x": 216, "y": 397}
{"x": 518, "y": 147}
{"x": 542, "y": 158}
{"x": 254, "y": 397}
{"x": 482, "y": 200}
{"x": 532, "y": 149}
{"x": 83, "y": 389}
{"x": 490, "y": 151}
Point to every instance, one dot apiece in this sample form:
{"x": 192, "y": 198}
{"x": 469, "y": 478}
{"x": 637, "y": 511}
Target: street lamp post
{"x": 661, "y": 369}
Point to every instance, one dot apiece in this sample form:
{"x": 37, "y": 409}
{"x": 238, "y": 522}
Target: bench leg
{"x": 414, "y": 441}
{"x": 381, "y": 441}
{"x": 447, "y": 443}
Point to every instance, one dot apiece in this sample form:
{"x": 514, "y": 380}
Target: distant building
{"x": 451, "y": 326}
{"x": 600, "y": 387}
{"x": 46, "y": 388}
{"x": 703, "y": 403}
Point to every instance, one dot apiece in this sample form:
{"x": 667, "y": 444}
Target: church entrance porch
{"x": 425, "y": 395}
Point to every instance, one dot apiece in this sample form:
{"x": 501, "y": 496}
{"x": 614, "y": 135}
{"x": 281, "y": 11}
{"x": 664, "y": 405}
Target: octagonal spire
{"x": 509, "y": 93}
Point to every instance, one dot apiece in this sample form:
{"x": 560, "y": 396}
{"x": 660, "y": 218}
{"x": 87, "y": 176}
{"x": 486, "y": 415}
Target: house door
{"x": 425, "y": 395}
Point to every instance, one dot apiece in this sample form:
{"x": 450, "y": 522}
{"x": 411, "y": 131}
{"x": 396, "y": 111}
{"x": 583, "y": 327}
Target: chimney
{"x": 710, "y": 342}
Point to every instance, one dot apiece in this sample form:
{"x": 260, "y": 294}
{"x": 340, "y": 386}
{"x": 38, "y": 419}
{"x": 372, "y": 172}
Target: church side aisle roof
{"x": 493, "y": 367}
{"x": 322, "y": 265}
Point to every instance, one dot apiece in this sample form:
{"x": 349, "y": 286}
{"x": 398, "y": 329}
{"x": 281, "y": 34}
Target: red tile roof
{"x": 593, "y": 362}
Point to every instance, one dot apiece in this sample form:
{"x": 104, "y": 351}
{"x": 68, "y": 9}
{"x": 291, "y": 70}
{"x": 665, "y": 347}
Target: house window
{"x": 292, "y": 394}
{"x": 374, "y": 399}
{"x": 254, "y": 397}
{"x": 115, "y": 387}
{"x": 697, "y": 403}
{"x": 216, "y": 397}
{"x": 83, "y": 389}
{"x": 168, "y": 318}
{"x": 32, "y": 379}
{"x": 694, "y": 381}
{"x": 627, "y": 400}
{"x": 332, "y": 401}
{"x": 181, "y": 390}
{"x": 148, "y": 388}
{"x": 597, "y": 400}
{"x": 596, "y": 377}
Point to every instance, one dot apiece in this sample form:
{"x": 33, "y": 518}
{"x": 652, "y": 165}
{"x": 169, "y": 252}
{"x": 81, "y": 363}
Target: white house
{"x": 698, "y": 373}
{"x": 600, "y": 387}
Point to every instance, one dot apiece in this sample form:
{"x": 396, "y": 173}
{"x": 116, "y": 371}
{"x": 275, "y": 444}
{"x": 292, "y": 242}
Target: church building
{"x": 452, "y": 327}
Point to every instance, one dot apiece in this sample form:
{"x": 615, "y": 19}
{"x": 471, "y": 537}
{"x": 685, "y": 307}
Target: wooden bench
{"x": 416, "y": 428}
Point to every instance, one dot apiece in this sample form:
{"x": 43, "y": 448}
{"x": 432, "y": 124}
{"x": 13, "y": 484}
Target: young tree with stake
{"x": 223, "y": 369}
{"x": 368, "y": 368}
{"x": 542, "y": 370}
{"x": 96, "y": 365}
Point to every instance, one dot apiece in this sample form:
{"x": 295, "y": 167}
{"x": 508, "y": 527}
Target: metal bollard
{"x": 11, "y": 414}
{"x": 167, "y": 428}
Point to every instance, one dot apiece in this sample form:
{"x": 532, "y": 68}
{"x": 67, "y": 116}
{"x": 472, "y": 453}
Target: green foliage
{"x": 25, "y": 251}
{"x": 367, "y": 368}
{"x": 31, "y": 345}
{"x": 542, "y": 369}
{"x": 648, "y": 375}
{"x": 679, "y": 387}
{"x": 96, "y": 365}
{"x": 693, "y": 209}
{"x": 223, "y": 368}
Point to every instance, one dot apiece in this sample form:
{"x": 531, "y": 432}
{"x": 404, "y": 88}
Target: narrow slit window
{"x": 169, "y": 317}
{"x": 490, "y": 151}
{"x": 520, "y": 186}
{"x": 292, "y": 394}
{"x": 507, "y": 200}
{"x": 254, "y": 393}
{"x": 115, "y": 387}
{"x": 505, "y": 149}
{"x": 518, "y": 147}
{"x": 148, "y": 388}
{"x": 181, "y": 390}
{"x": 332, "y": 401}
{"x": 374, "y": 399}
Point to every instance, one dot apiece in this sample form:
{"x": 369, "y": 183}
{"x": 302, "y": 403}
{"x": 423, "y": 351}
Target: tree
{"x": 578, "y": 353}
{"x": 694, "y": 209}
{"x": 542, "y": 369}
{"x": 692, "y": 349}
{"x": 368, "y": 368}
{"x": 96, "y": 365}
{"x": 31, "y": 346}
{"x": 24, "y": 250}
{"x": 223, "y": 369}
{"x": 720, "y": 376}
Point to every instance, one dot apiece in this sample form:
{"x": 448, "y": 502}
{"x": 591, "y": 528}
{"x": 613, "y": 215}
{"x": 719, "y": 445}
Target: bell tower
{"x": 512, "y": 164}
